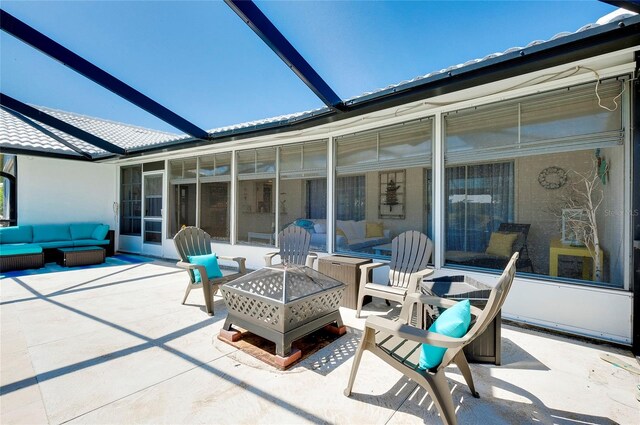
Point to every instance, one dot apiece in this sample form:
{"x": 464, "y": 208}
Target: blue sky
{"x": 201, "y": 61}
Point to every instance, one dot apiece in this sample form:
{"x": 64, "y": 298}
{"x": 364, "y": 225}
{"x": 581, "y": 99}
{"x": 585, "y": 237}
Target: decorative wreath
{"x": 552, "y": 178}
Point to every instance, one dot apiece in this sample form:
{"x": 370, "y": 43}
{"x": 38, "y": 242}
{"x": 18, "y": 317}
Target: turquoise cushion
{"x": 19, "y": 249}
{"x": 16, "y": 234}
{"x": 82, "y": 230}
{"x": 100, "y": 232}
{"x": 304, "y": 223}
{"x": 90, "y": 242}
{"x": 453, "y": 322}
{"x": 210, "y": 262}
{"x": 51, "y": 233}
{"x": 307, "y": 225}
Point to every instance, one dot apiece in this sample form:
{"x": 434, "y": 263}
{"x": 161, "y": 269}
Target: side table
{"x": 347, "y": 271}
{"x": 556, "y": 248}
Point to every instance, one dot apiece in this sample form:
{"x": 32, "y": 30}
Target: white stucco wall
{"x": 64, "y": 191}
{"x": 593, "y": 312}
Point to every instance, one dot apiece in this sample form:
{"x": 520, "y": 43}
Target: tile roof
{"x": 124, "y": 135}
{"x": 14, "y": 132}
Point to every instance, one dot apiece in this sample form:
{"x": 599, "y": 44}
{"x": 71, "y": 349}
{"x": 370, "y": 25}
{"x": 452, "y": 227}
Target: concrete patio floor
{"x": 114, "y": 345}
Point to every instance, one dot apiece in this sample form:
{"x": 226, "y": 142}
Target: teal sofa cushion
{"x": 453, "y": 322}
{"x": 210, "y": 262}
{"x": 90, "y": 242}
{"x": 100, "y": 232}
{"x": 19, "y": 249}
{"x": 82, "y": 230}
{"x": 305, "y": 224}
{"x": 51, "y": 233}
{"x": 16, "y": 234}
{"x": 56, "y": 244}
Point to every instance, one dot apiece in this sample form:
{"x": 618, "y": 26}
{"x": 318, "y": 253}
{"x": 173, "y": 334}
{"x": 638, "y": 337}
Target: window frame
{"x": 610, "y": 140}
{"x": 11, "y": 177}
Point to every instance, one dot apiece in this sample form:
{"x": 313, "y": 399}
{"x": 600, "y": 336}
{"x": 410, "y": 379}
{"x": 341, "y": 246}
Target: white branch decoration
{"x": 587, "y": 194}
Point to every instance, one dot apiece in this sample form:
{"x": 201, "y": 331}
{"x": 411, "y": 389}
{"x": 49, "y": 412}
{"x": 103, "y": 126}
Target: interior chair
{"x": 192, "y": 241}
{"x": 399, "y": 344}
{"x": 520, "y": 245}
{"x": 294, "y": 248}
{"x": 410, "y": 253}
{"x": 493, "y": 261}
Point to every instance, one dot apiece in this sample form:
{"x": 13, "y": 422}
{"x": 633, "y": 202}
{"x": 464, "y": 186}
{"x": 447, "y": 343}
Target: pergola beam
{"x": 51, "y": 121}
{"x": 36, "y": 39}
{"x": 267, "y": 31}
{"x": 632, "y": 6}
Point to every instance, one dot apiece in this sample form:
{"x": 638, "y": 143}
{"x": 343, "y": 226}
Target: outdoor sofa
{"x": 351, "y": 235}
{"x": 31, "y": 246}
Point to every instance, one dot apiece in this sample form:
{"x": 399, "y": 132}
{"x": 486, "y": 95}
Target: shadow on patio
{"x": 114, "y": 344}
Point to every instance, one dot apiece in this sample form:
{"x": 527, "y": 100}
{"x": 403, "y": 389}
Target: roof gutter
{"x": 44, "y": 153}
{"x": 574, "y": 47}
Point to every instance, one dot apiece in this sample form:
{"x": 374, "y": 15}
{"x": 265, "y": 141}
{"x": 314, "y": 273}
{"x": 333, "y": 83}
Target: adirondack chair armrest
{"x": 311, "y": 258}
{"x": 366, "y": 268}
{"x": 188, "y": 266}
{"x": 242, "y": 268}
{"x": 364, "y": 273}
{"x": 268, "y": 258}
{"x": 411, "y": 333}
{"x": 416, "y": 278}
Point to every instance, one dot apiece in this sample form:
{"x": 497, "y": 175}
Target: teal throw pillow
{"x": 100, "y": 232}
{"x": 453, "y": 322}
{"x": 210, "y": 263}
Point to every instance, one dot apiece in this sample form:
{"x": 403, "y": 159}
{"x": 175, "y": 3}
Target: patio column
{"x": 635, "y": 202}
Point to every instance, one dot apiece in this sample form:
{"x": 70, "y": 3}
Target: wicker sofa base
{"x": 21, "y": 262}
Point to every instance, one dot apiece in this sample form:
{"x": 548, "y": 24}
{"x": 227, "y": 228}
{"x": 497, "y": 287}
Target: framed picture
{"x": 263, "y": 197}
{"x": 574, "y": 225}
{"x": 392, "y": 194}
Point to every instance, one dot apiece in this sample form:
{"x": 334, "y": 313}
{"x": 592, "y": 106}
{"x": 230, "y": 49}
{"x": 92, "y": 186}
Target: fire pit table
{"x": 283, "y": 303}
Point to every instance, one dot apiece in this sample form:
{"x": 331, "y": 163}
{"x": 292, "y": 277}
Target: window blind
{"x": 557, "y": 121}
{"x": 398, "y": 146}
{"x": 216, "y": 167}
{"x": 256, "y": 163}
{"x": 304, "y": 160}
{"x": 183, "y": 171}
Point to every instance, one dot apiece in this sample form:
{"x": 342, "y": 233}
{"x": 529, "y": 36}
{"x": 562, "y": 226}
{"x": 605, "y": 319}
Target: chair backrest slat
{"x": 410, "y": 252}
{"x": 294, "y": 244}
{"x": 192, "y": 241}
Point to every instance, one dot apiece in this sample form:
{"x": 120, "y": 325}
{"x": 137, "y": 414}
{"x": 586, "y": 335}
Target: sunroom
{"x": 521, "y": 160}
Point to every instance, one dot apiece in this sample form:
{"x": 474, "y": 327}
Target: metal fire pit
{"x": 283, "y": 303}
